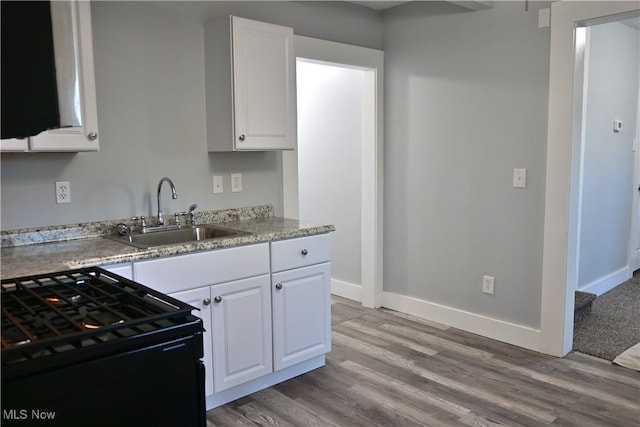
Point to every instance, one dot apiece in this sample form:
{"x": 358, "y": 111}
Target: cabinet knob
{"x": 304, "y": 252}
{"x": 92, "y": 136}
{"x": 278, "y": 286}
{"x": 206, "y": 301}
{"x": 218, "y": 298}
{"x": 242, "y": 137}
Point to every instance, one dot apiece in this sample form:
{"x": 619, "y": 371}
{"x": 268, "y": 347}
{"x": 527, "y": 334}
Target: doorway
{"x": 323, "y": 179}
{"x": 559, "y": 253}
{"x": 604, "y": 178}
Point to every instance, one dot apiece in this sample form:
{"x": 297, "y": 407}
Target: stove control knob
{"x": 218, "y": 298}
{"x": 206, "y": 301}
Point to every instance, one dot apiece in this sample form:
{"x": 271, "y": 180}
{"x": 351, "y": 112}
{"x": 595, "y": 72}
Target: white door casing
{"x": 372, "y": 162}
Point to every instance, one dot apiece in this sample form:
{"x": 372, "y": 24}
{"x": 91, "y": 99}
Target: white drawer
{"x": 300, "y": 252}
{"x": 184, "y": 272}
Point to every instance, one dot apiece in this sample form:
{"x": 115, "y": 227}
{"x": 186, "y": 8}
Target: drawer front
{"x": 184, "y": 272}
{"x": 294, "y": 253}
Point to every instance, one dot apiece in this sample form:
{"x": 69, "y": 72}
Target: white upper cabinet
{"x": 73, "y": 45}
{"x": 250, "y": 86}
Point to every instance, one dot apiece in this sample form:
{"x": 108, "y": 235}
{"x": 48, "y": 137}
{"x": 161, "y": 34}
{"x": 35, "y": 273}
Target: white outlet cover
{"x": 236, "y": 182}
{"x": 63, "y": 192}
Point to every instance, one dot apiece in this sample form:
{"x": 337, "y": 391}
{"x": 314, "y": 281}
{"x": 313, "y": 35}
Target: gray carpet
{"x": 614, "y": 323}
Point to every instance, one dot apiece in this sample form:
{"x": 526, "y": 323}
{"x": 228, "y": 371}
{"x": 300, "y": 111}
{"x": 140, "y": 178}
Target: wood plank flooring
{"x": 391, "y": 369}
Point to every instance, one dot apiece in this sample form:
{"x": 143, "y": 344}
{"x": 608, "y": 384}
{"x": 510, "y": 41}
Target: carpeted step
{"x": 582, "y": 306}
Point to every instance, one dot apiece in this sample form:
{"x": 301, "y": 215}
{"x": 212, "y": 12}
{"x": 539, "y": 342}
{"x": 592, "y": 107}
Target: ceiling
{"x": 384, "y": 4}
{"x": 379, "y": 5}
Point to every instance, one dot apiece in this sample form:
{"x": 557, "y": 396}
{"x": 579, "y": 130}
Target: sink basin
{"x": 175, "y": 237}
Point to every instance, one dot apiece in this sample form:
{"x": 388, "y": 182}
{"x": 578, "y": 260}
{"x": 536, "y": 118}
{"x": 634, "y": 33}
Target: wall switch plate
{"x": 236, "y": 182}
{"x": 544, "y": 17}
{"x": 488, "y": 283}
{"x": 519, "y": 178}
{"x": 63, "y": 192}
{"x": 218, "y": 186}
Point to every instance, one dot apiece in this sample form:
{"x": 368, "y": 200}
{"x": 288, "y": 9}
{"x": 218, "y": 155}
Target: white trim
{"x": 634, "y": 239}
{"x": 556, "y": 316}
{"x": 500, "y": 330}
{"x": 608, "y": 282}
{"x": 347, "y": 290}
{"x": 372, "y": 166}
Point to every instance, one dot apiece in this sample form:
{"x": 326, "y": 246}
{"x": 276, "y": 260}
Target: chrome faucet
{"x": 174, "y": 195}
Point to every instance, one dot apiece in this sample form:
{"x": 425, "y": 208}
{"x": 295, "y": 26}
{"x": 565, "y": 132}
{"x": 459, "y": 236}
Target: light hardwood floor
{"x": 391, "y": 369}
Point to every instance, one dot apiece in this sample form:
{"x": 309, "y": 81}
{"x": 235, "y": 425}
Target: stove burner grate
{"x": 49, "y": 314}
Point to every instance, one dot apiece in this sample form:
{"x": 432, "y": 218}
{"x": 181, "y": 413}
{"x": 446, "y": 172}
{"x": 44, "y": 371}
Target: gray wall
{"x": 149, "y": 59}
{"x": 466, "y": 103}
{"x": 607, "y": 188}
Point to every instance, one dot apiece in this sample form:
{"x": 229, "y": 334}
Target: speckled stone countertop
{"x": 52, "y": 249}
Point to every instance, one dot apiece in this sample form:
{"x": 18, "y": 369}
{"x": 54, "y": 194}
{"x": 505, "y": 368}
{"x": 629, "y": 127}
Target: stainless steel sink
{"x": 175, "y": 237}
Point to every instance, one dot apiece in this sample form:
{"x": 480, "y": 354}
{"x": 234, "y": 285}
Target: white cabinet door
{"x": 242, "y": 347}
{"x": 200, "y": 299}
{"x": 76, "y": 15}
{"x": 301, "y": 314}
{"x": 264, "y": 94}
{"x": 250, "y": 86}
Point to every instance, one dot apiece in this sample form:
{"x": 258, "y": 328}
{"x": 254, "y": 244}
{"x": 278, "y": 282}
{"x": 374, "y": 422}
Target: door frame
{"x": 372, "y": 160}
{"x": 557, "y": 305}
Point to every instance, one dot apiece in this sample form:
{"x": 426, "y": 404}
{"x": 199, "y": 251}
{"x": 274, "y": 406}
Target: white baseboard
{"x": 522, "y": 336}
{"x": 346, "y": 290}
{"x": 608, "y": 282}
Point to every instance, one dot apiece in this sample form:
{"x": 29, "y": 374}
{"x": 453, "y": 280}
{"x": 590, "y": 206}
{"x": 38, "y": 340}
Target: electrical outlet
{"x": 218, "y": 186}
{"x": 63, "y": 192}
{"x": 488, "y": 283}
{"x": 236, "y": 182}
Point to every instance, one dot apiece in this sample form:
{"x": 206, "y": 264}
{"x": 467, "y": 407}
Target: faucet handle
{"x": 142, "y": 219}
{"x": 177, "y": 216}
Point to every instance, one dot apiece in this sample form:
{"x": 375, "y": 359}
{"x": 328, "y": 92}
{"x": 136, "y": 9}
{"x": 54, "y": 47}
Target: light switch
{"x": 519, "y": 178}
{"x": 218, "y": 186}
{"x": 544, "y": 17}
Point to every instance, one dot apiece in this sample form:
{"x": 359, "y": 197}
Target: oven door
{"x": 159, "y": 385}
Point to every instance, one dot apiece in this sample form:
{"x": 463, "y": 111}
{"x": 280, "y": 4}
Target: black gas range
{"x": 89, "y": 347}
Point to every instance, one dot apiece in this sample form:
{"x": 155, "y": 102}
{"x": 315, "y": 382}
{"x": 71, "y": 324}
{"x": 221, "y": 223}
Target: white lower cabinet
{"x": 301, "y": 314}
{"x": 266, "y": 310}
{"x": 241, "y": 319}
{"x": 200, "y": 298}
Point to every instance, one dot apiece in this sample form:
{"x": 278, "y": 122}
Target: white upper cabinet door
{"x": 79, "y": 81}
{"x": 250, "y": 86}
{"x": 264, "y": 89}
{"x": 242, "y": 347}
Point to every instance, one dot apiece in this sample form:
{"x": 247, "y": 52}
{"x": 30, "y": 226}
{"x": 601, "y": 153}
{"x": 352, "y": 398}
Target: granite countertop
{"x": 59, "y": 254}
